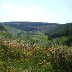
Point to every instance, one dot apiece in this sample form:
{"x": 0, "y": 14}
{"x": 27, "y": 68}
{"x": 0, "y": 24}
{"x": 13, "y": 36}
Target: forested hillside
{"x": 63, "y": 31}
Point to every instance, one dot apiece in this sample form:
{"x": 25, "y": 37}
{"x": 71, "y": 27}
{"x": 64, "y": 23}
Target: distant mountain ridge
{"x": 32, "y": 26}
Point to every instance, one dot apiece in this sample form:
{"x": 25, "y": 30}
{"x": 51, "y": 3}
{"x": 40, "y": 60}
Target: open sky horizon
{"x": 53, "y": 11}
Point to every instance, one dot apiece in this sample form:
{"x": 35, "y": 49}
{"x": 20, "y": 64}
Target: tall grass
{"x": 19, "y": 56}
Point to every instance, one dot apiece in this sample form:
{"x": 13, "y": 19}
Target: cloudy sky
{"x": 54, "y": 11}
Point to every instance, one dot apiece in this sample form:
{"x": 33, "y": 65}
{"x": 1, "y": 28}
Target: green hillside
{"x": 63, "y": 30}
{"x": 4, "y": 33}
{"x": 63, "y": 34}
{"x": 12, "y": 30}
{"x": 2, "y": 28}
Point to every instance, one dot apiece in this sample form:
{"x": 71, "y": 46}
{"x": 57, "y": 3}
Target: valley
{"x": 35, "y": 47}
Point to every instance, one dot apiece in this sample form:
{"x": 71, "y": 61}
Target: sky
{"x": 52, "y": 11}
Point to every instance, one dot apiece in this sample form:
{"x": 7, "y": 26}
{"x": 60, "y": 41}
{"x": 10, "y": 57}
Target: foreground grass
{"x": 19, "y": 56}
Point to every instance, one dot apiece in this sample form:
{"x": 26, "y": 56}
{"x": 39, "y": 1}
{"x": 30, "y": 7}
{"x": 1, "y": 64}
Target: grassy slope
{"x": 4, "y": 32}
{"x": 12, "y": 30}
{"x": 2, "y": 28}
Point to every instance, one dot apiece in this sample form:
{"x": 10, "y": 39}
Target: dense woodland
{"x": 35, "y": 47}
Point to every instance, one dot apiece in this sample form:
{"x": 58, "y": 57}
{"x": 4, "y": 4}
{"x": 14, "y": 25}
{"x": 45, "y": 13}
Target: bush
{"x": 18, "y": 56}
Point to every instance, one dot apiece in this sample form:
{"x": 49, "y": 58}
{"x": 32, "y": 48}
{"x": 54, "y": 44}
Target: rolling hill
{"x": 32, "y": 26}
{"x": 2, "y": 28}
{"x": 62, "y": 30}
{"x": 63, "y": 34}
{"x": 12, "y": 30}
{"x": 4, "y": 33}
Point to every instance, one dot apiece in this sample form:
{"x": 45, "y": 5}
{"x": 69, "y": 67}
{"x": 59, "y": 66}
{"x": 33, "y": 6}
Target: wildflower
{"x": 48, "y": 63}
{"x": 29, "y": 53}
{"x": 44, "y": 61}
